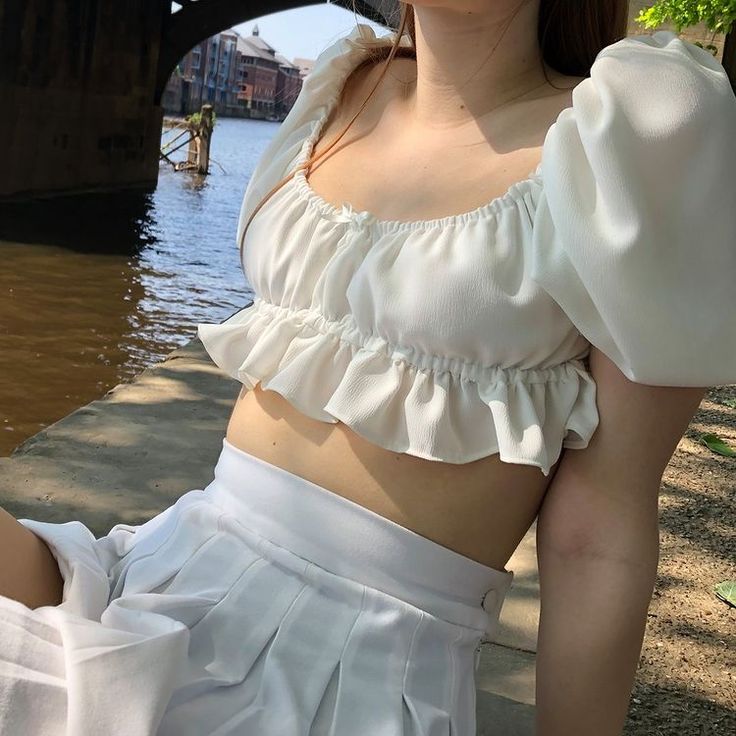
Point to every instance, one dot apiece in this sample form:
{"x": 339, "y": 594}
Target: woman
{"x": 413, "y": 381}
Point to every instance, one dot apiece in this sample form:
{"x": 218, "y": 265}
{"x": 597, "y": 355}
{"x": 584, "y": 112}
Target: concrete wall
{"x": 77, "y": 80}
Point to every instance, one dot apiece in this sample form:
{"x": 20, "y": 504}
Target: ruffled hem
{"x": 457, "y": 413}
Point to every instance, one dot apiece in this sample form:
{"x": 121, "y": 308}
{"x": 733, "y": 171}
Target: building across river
{"x": 240, "y": 76}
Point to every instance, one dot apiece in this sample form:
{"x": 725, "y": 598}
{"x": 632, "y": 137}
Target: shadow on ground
{"x": 111, "y": 462}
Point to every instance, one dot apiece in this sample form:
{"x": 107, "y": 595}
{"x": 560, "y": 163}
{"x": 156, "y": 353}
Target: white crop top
{"x": 456, "y": 338}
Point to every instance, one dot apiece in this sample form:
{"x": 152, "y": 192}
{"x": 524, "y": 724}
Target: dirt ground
{"x": 686, "y": 681}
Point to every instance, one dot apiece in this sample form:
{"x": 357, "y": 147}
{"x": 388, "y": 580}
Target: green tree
{"x": 718, "y": 16}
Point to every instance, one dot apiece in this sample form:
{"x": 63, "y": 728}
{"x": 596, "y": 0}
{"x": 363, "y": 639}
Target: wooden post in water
{"x": 204, "y": 138}
{"x": 200, "y": 128}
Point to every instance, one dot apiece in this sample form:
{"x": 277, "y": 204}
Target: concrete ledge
{"x": 129, "y": 455}
{"x": 505, "y": 697}
{"x": 132, "y": 453}
{"x": 520, "y": 612}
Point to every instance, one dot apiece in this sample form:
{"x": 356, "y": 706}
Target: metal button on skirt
{"x": 262, "y": 605}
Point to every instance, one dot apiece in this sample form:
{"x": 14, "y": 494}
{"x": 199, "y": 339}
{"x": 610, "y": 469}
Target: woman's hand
{"x": 598, "y": 548}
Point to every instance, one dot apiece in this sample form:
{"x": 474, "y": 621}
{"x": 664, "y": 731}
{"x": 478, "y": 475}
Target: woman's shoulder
{"x": 344, "y": 55}
{"x": 658, "y": 80}
{"x": 635, "y": 228}
{"x": 642, "y": 52}
{"x": 652, "y": 103}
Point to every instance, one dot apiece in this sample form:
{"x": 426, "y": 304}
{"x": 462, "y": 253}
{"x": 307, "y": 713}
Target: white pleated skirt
{"x": 263, "y": 605}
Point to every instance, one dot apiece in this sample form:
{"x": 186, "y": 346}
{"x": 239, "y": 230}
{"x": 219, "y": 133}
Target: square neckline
{"x": 345, "y": 212}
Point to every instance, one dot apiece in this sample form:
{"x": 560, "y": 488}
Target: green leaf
{"x": 726, "y": 591}
{"x": 719, "y": 16}
{"x": 716, "y": 444}
{"x": 729, "y": 402}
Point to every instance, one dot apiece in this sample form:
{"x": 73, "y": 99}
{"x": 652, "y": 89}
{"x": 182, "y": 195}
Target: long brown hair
{"x": 571, "y": 33}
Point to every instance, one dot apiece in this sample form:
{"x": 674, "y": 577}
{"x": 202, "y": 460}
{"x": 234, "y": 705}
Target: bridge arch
{"x": 196, "y": 20}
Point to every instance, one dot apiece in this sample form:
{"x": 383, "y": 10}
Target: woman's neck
{"x": 459, "y": 75}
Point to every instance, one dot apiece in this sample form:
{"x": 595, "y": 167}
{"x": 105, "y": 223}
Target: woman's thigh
{"x": 28, "y": 571}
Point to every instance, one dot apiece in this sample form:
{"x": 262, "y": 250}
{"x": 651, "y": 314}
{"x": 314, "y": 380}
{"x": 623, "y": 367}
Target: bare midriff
{"x": 481, "y": 509}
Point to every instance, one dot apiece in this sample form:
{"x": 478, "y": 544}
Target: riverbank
{"x": 133, "y": 452}
{"x": 97, "y": 288}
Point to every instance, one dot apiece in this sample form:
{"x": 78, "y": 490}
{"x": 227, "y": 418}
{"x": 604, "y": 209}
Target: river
{"x": 94, "y": 289}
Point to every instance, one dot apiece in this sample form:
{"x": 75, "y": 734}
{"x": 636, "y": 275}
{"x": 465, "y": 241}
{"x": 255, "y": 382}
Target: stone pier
{"x": 77, "y": 83}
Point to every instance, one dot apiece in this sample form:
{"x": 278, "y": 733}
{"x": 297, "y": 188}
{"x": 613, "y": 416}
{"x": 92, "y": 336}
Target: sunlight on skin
{"x": 29, "y": 573}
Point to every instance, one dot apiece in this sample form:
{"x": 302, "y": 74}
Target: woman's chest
{"x": 452, "y": 293}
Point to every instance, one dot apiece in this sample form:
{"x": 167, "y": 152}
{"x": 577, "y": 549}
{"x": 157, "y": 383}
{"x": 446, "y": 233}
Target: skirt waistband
{"x": 353, "y": 542}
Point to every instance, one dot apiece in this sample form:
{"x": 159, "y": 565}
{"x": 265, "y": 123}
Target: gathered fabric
{"x": 332, "y": 371}
{"x": 262, "y": 604}
{"x": 459, "y": 337}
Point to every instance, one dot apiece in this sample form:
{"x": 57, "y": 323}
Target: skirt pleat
{"x": 440, "y": 706}
{"x": 195, "y": 624}
{"x": 371, "y": 669}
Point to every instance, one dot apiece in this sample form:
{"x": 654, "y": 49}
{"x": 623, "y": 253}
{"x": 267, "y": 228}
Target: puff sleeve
{"x": 635, "y": 231}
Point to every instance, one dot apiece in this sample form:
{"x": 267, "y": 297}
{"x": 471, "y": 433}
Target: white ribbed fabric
{"x": 464, "y": 336}
{"x": 263, "y": 604}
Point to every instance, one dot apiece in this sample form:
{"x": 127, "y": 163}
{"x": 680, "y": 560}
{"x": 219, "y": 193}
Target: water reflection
{"x": 121, "y": 223}
{"x": 95, "y": 288}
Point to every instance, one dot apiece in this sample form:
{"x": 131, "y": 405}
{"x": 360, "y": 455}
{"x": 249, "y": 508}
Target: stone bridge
{"x": 81, "y": 82}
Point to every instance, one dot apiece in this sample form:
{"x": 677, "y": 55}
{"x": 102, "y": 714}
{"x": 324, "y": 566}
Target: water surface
{"x": 94, "y": 289}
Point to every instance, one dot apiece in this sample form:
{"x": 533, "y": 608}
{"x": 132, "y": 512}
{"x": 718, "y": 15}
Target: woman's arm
{"x": 598, "y": 548}
{"x": 28, "y": 571}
